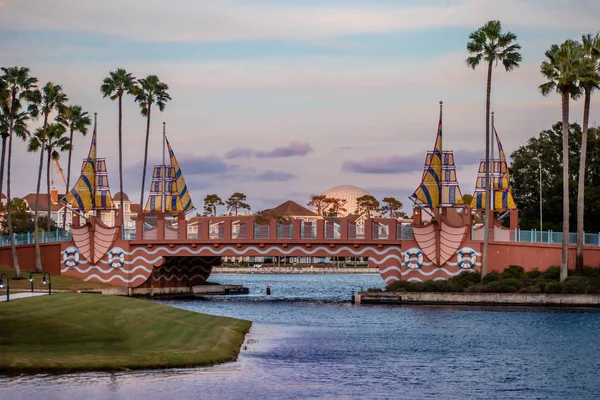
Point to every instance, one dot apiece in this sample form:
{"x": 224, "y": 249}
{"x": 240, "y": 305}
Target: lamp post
{"x": 47, "y": 282}
{"x": 31, "y": 281}
{"x": 7, "y": 284}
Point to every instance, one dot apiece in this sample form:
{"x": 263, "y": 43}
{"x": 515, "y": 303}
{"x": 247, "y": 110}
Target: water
{"x": 307, "y": 341}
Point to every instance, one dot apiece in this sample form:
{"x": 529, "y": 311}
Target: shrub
{"x": 499, "y": 287}
{"x": 512, "y": 282}
{"x": 466, "y": 279}
{"x": 575, "y": 285}
{"x": 476, "y": 288}
{"x": 530, "y": 289}
{"x": 552, "y": 273}
{"x": 594, "y": 286}
{"x": 400, "y": 286}
{"x": 513, "y": 271}
{"x": 533, "y": 274}
{"x": 592, "y": 273}
{"x": 491, "y": 277}
{"x": 553, "y": 287}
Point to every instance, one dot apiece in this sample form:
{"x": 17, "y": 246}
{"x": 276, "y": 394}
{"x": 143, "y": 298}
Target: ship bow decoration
{"x": 503, "y": 199}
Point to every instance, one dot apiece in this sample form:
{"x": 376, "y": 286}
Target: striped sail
{"x": 184, "y": 193}
{"x": 428, "y": 193}
{"x": 503, "y": 199}
{"x": 163, "y": 184}
{"x": 91, "y": 191}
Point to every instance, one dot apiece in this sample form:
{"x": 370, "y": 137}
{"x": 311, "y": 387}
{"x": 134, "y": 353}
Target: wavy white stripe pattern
{"x": 267, "y": 250}
{"x": 115, "y": 277}
{"x": 178, "y": 278}
{"x": 403, "y": 273}
{"x": 106, "y": 271}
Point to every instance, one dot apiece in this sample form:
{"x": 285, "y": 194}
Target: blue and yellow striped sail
{"x": 429, "y": 191}
{"x": 91, "y": 191}
{"x": 163, "y": 186}
{"x": 184, "y": 193}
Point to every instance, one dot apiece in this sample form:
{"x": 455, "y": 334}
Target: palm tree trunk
{"x": 564, "y": 265}
{"x": 64, "y": 226}
{"x": 49, "y": 225}
{"x": 488, "y": 188}
{"x": 122, "y": 210}
{"x": 38, "y": 255}
{"x": 13, "y": 246}
{"x": 2, "y": 162}
{"x": 581, "y": 183}
{"x": 145, "y": 156}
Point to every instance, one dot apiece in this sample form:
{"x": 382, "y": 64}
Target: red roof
{"x": 42, "y": 202}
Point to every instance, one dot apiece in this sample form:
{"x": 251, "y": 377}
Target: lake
{"x": 308, "y": 341}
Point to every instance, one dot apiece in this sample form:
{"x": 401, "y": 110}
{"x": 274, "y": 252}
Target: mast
{"x": 440, "y": 149}
{"x": 164, "y": 171}
{"x": 95, "y": 165}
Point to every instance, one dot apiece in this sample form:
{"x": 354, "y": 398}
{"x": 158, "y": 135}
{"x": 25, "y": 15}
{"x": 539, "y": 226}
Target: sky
{"x": 283, "y": 99}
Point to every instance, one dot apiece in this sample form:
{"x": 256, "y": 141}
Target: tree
{"x": 392, "y": 207}
{"x": 76, "y": 120}
{"x": 236, "y": 202}
{"x": 334, "y": 207}
{"x": 211, "y": 202}
{"x": 545, "y": 150}
{"x": 20, "y": 86}
{"x": 51, "y": 98}
{"x": 490, "y": 44}
{"x": 589, "y": 80}
{"x": 117, "y": 84}
{"x": 367, "y": 204}
{"x": 318, "y": 202}
{"x": 151, "y": 91}
{"x": 22, "y": 221}
{"x": 562, "y": 68}
{"x": 56, "y": 142}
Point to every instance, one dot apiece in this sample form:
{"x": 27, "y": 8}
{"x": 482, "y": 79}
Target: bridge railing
{"x": 534, "y": 236}
{"x": 44, "y": 237}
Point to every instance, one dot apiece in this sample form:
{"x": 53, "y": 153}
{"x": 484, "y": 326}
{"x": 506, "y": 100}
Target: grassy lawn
{"x": 69, "y": 332}
{"x": 58, "y": 282}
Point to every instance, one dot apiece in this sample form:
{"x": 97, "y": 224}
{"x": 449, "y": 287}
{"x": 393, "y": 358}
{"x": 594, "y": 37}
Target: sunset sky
{"x": 280, "y": 99}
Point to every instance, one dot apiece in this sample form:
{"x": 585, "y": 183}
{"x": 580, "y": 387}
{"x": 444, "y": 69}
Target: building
{"x": 130, "y": 210}
{"x": 349, "y": 194}
{"x": 55, "y": 209}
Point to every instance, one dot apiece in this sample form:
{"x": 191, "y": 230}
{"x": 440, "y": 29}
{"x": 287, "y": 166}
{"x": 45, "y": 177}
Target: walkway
{"x": 20, "y": 295}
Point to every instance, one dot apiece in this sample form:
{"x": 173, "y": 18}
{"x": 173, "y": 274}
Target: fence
{"x": 535, "y": 236}
{"x": 44, "y": 237}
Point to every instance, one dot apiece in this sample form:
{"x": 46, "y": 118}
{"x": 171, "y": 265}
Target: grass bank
{"x": 69, "y": 332}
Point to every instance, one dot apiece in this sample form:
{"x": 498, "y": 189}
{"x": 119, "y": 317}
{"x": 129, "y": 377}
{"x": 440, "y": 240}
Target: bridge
{"x": 172, "y": 252}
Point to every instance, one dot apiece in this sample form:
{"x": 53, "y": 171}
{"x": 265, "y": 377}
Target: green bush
{"x": 575, "y": 285}
{"x": 592, "y": 273}
{"x": 514, "y": 282}
{"x": 552, "y": 273}
{"x": 499, "y": 287}
{"x": 466, "y": 279}
{"x": 491, "y": 277}
{"x": 513, "y": 271}
{"x": 400, "y": 286}
{"x": 594, "y": 286}
{"x": 533, "y": 274}
{"x": 530, "y": 289}
{"x": 553, "y": 288}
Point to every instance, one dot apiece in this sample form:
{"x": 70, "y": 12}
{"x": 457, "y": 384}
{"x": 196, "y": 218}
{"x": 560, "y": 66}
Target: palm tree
{"x": 19, "y": 85}
{"x": 562, "y": 68}
{"x": 76, "y": 120}
{"x": 490, "y": 44}
{"x": 151, "y": 91}
{"x": 589, "y": 80}
{"x": 44, "y": 102}
{"x": 53, "y": 141}
{"x": 119, "y": 82}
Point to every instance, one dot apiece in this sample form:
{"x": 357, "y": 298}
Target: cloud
{"x": 294, "y": 149}
{"x": 274, "y": 176}
{"x": 204, "y": 165}
{"x": 239, "y": 152}
{"x": 404, "y": 164}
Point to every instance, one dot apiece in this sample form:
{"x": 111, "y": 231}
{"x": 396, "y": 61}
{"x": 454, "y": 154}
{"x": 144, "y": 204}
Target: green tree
{"x": 237, "y": 201}
{"x": 51, "y": 98}
{"x": 117, "y": 84}
{"x": 367, "y": 204}
{"x": 491, "y": 45}
{"x": 318, "y": 203}
{"x": 75, "y": 120}
{"x": 211, "y": 202}
{"x": 392, "y": 207}
{"x": 589, "y": 80}
{"x": 334, "y": 207}
{"x": 20, "y": 86}
{"x": 22, "y": 221}
{"x": 562, "y": 68}
{"x": 151, "y": 91}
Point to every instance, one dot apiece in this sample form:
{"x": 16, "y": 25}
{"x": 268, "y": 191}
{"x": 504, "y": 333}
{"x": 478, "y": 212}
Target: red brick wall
{"x": 50, "y": 252}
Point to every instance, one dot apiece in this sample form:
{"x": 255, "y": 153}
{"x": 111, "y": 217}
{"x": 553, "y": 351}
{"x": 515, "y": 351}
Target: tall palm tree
{"x": 53, "y": 141}
{"x": 117, "y": 84}
{"x": 589, "y": 81}
{"x": 4, "y": 125}
{"x": 151, "y": 91}
{"x": 76, "y": 120}
{"x": 51, "y": 98}
{"x": 20, "y": 86}
{"x": 493, "y": 46}
{"x": 562, "y": 68}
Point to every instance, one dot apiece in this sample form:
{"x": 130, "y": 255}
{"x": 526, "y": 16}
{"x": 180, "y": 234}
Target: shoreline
{"x": 478, "y": 299}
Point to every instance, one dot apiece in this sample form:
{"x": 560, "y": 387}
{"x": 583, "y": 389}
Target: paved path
{"x": 20, "y": 295}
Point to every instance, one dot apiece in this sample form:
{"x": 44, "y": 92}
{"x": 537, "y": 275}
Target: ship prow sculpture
{"x": 89, "y": 198}
{"x": 439, "y": 196}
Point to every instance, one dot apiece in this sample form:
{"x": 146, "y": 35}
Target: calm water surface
{"x": 307, "y": 341}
